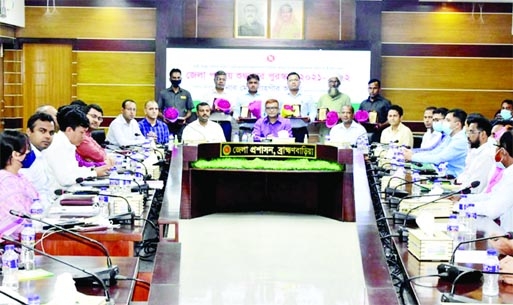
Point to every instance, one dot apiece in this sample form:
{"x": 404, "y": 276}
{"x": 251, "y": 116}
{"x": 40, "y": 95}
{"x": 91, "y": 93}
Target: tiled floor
{"x": 269, "y": 258}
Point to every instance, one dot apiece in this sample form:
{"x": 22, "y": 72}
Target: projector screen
{"x": 315, "y": 67}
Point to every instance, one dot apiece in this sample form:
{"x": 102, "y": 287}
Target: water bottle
{"x": 104, "y": 203}
{"x": 170, "y": 141}
{"x": 235, "y": 137}
{"x": 36, "y": 212}
{"x": 453, "y": 229}
{"x": 305, "y": 139}
{"x": 114, "y": 180}
{"x": 244, "y": 137}
{"x": 415, "y": 188}
{"x": 462, "y": 213}
{"x": 471, "y": 221}
{"x": 442, "y": 169}
{"x": 401, "y": 177}
{"x": 28, "y": 238}
{"x": 437, "y": 188}
{"x": 10, "y": 268}
{"x": 175, "y": 141}
{"x": 139, "y": 174}
{"x": 34, "y": 299}
{"x": 491, "y": 281}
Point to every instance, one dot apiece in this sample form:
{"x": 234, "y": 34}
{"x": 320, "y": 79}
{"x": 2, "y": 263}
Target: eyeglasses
{"x": 271, "y": 108}
{"x": 96, "y": 117}
{"x": 469, "y": 132}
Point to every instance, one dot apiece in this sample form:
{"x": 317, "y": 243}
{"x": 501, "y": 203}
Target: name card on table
{"x": 304, "y": 151}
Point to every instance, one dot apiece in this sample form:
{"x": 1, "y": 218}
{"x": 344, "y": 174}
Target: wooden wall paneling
{"x": 110, "y": 96}
{"x": 415, "y": 100}
{"x": 47, "y": 70}
{"x": 74, "y": 75}
{"x": 448, "y": 73}
{"x": 190, "y": 20}
{"x": 90, "y": 22}
{"x": 11, "y": 107}
{"x": 216, "y": 19}
{"x": 322, "y": 20}
{"x": 446, "y": 27}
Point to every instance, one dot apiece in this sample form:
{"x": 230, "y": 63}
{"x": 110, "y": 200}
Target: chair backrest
{"x": 99, "y": 136}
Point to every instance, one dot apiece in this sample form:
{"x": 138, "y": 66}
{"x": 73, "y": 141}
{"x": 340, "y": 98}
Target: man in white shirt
{"x": 397, "y": 131}
{"x": 480, "y": 162}
{"x": 40, "y": 130}
{"x": 203, "y": 130}
{"x": 252, "y": 95}
{"x": 124, "y": 129}
{"x": 222, "y": 116}
{"x": 296, "y": 98}
{"x": 60, "y": 155}
{"x": 349, "y": 130}
{"x": 430, "y": 137}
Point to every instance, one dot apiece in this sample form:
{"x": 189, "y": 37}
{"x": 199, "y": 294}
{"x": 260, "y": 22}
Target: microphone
{"x": 98, "y": 280}
{"x": 406, "y": 217}
{"x": 80, "y": 179}
{"x": 401, "y": 194}
{"x": 108, "y": 275}
{"x": 125, "y": 218}
{"x": 146, "y": 175}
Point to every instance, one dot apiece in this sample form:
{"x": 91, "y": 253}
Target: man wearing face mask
{"x": 498, "y": 203}
{"x": 437, "y": 126}
{"x": 178, "y": 98}
{"x": 454, "y": 151}
{"x": 40, "y": 130}
{"x": 479, "y": 164}
{"x": 505, "y": 113}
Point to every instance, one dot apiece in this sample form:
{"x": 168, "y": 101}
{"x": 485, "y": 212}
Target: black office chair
{"x": 99, "y": 136}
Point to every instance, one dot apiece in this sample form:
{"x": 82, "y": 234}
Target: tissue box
{"x": 439, "y": 209}
{"x": 429, "y": 248}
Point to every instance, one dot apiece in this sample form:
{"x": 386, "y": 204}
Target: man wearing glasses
{"x": 270, "y": 125}
{"x": 480, "y": 163}
{"x": 89, "y": 151}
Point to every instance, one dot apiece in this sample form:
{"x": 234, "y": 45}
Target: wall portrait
{"x": 287, "y": 19}
{"x": 250, "y": 19}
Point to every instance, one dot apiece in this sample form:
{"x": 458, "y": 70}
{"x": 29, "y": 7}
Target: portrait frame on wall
{"x": 287, "y": 19}
{"x": 250, "y": 19}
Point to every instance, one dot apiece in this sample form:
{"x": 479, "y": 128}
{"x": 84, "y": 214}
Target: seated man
{"x": 89, "y": 152}
{"x": 454, "y": 151}
{"x": 124, "y": 130}
{"x": 60, "y": 155}
{"x": 349, "y": 130}
{"x": 431, "y": 136}
{"x": 397, "y": 131}
{"x": 151, "y": 127}
{"x": 202, "y": 129}
{"x": 272, "y": 124}
{"x": 480, "y": 158}
{"x": 437, "y": 126}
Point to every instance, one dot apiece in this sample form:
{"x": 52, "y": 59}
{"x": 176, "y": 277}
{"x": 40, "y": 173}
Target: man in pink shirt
{"x": 89, "y": 152}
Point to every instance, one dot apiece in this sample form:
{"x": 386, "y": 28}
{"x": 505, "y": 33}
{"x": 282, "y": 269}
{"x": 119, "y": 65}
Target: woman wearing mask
{"x": 16, "y": 192}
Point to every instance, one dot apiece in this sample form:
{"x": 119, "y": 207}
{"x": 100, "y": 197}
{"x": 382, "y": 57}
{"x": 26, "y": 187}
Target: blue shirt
{"x": 454, "y": 151}
{"x": 264, "y": 128}
{"x": 160, "y": 129}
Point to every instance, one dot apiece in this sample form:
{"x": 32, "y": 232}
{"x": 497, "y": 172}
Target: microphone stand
{"x": 112, "y": 270}
{"x": 98, "y": 279}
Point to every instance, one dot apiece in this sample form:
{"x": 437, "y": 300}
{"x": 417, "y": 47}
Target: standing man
{"x": 89, "y": 150}
{"x": 221, "y": 115}
{"x": 244, "y": 101}
{"x": 151, "y": 127}
{"x": 60, "y": 155}
{"x": 349, "y": 130}
{"x": 203, "y": 130}
{"x": 377, "y": 106}
{"x": 397, "y": 131}
{"x": 40, "y": 130}
{"x": 271, "y": 124}
{"x": 296, "y": 98}
{"x": 178, "y": 98}
{"x": 332, "y": 101}
{"x": 124, "y": 130}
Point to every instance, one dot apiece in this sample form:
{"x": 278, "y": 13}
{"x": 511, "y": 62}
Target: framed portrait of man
{"x": 250, "y": 19}
{"x": 287, "y": 19}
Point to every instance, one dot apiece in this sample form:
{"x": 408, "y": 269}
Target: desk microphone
{"x": 146, "y": 175}
{"x": 97, "y": 278}
{"x": 125, "y": 218}
{"x": 405, "y": 217}
{"x": 108, "y": 275}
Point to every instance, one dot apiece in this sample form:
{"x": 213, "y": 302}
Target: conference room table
{"x": 121, "y": 292}
{"x": 426, "y": 287}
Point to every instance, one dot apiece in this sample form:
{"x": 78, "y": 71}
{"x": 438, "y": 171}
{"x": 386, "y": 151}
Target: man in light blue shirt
{"x": 455, "y": 149}
{"x": 252, "y": 95}
{"x": 296, "y": 98}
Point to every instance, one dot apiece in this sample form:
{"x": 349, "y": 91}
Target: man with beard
{"x": 377, "y": 106}
{"x": 40, "y": 130}
{"x": 349, "y": 130}
{"x": 332, "y": 101}
{"x": 178, "y": 98}
{"x": 251, "y": 97}
{"x": 480, "y": 162}
{"x": 203, "y": 130}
